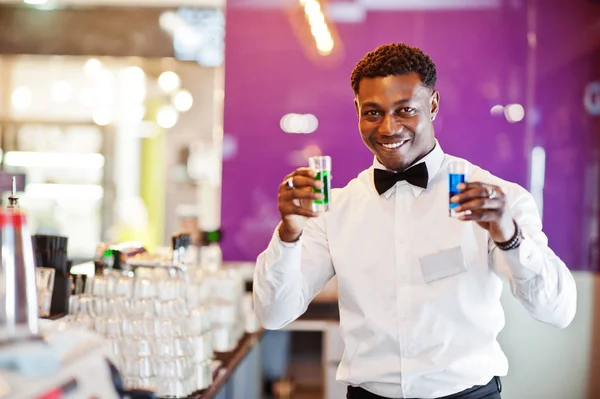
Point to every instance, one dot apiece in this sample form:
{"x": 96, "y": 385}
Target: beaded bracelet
{"x": 514, "y": 242}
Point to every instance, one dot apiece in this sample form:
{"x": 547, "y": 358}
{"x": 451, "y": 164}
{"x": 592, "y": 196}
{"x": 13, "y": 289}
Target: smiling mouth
{"x": 393, "y": 146}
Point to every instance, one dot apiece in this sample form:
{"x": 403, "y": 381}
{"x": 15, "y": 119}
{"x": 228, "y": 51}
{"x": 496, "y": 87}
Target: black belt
{"x": 477, "y": 392}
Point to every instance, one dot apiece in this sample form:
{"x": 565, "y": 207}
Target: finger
{"x": 487, "y": 215}
{"x": 471, "y": 184}
{"x": 480, "y": 204}
{"x": 469, "y": 194}
{"x": 300, "y": 182}
{"x": 300, "y": 193}
{"x": 475, "y": 184}
{"x": 308, "y": 172}
{"x": 292, "y": 209}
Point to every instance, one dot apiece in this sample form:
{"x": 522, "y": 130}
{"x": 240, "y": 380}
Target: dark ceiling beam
{"x": 115, "y": 31}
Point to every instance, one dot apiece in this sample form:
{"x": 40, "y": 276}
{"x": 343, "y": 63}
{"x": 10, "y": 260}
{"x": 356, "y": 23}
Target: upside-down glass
{"x": 44, "y": 281}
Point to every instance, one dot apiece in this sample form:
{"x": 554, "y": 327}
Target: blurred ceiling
{"x": 121, "y": 3}
{"x": 355, "y": 11}
{"x": 378, "y": 4}
{"x": 346, "y": 6}
{"x": 420, "y": 4}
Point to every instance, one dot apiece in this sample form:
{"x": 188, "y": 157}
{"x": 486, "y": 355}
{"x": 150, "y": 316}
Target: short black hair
{"x": 394, "y": 59}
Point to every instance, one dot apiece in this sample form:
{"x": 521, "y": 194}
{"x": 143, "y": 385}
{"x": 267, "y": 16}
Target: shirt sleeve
{"x": 538, "y": 278}
{"x": 289, "y": 275}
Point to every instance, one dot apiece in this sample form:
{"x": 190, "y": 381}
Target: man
{"x": 419, "y": 291}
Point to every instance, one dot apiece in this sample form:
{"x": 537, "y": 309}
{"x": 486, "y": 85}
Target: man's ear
{"x": 434, "y": 104}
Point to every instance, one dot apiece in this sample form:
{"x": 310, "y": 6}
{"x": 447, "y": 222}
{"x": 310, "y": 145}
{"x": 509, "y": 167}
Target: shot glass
{"x": 322, "y": 165}
{"x": 458, "y": 172}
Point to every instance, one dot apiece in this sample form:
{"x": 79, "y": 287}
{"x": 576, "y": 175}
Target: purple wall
{"x": 483, "y": 59}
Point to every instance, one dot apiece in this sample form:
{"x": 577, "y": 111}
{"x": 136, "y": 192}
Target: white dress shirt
{"x": 419, "y": 291}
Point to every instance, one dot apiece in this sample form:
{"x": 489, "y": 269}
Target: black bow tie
{"x": 416, "y": 175}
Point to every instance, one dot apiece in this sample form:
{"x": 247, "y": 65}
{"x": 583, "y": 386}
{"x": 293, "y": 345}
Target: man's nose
{"x": 389, "y": 126}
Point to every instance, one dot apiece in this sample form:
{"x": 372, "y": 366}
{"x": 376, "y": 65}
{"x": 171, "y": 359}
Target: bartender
{"x": 419, "y": 291}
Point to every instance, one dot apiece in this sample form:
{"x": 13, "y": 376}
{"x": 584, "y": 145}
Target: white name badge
{"x": 443, "y": 264}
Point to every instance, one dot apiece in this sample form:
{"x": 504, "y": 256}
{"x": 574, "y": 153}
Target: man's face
{"x": 395, "y": 118}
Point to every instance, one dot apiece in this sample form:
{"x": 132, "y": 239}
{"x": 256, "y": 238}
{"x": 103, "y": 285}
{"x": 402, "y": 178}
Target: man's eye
{"x": 407, "y": 110}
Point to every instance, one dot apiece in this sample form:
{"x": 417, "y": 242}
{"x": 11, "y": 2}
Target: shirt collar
{"x": 433, "y": 161}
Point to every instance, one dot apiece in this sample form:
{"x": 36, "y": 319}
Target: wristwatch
{"x": 514, "y": 242}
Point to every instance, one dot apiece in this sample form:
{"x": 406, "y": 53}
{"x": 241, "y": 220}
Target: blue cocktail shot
{"x": 457, "y": 173}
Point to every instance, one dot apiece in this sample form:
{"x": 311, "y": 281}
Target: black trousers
{"x": 489, "y": 391}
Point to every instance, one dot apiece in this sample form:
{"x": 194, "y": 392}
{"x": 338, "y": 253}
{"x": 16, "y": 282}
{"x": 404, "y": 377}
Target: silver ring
{"x": 290, "y": 183}
{"x": 492, "y": 193}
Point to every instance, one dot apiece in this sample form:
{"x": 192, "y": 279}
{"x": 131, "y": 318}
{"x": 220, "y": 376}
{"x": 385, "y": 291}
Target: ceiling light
{"x": 169, "y": 81}
{"x": 183, "y": 100}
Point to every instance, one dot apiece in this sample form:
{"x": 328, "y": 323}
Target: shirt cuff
{"x": 524, "y": 261}
{"x": 287, "y": 244}
{"x": 283, "y": 257}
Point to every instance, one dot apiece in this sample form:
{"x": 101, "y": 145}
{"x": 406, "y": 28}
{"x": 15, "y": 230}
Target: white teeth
{"x": 394, "y": 145}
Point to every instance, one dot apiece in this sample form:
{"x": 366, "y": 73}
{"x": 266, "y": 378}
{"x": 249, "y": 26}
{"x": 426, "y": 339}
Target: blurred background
{"x": 131, "y": 119}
